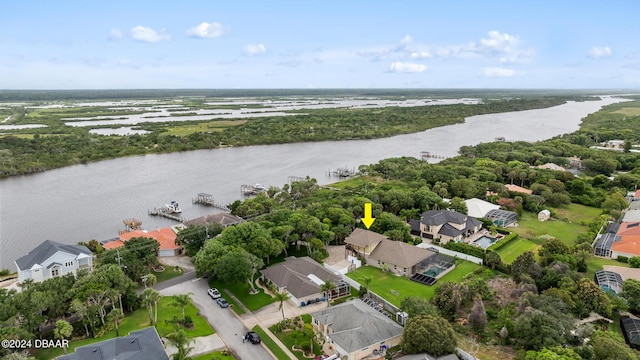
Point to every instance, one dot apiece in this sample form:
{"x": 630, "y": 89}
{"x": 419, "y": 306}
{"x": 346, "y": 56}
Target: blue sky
{"x": 319, "y": 44}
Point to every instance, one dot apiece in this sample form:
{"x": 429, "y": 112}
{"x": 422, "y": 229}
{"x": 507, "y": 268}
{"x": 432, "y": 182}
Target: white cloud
{"x": 599, "y": 52}
{"x": 406, "y": 40}
{"x": 406, "y": 67}
{"x": 496, "y": 72}
{"x": 420, "y": 55}
{"x": 208, "y": 30}
{"x": 252, "y": 50}
{"x": 498, "y": 42}
{"x": 142, "y": 33}
{"x": 115, "y": 34}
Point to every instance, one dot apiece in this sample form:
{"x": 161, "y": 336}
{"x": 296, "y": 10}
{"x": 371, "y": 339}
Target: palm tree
{"x": 327, "y": 288}
{"x": 181, "y": 342}
{"x": 150, "y": 299}
{"x": 182, "y": 300}
{"x": 175, "y": 322}
{"x": 149, "y": 279}
{"x": 281, "y": 297}
{"x": 115, "y": 315}
{"x": 366, "y": 280}
{"x": 62, "y": 331}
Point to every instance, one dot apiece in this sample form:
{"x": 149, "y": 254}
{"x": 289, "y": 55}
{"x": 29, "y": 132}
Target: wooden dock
{"x": 425, "y": 155}
{"x": 208, "y": 200}
{"x": 159, "y": 211}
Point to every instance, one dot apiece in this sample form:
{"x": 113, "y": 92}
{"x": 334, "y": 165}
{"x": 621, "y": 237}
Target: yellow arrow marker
{"x": 367, "y": 220}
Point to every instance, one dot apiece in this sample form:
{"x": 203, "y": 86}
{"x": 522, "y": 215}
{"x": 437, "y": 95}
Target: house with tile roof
{"x": 399, "y": 257}
{"x": 516, "y": 188}
{"x": 356, "y": 330}
{"x": 446, "y": 225}
{"x": 628, "y": 244}
{"x": 302, "y": 278}
{"x": 52, "y": 259}
{"x": 166, "y": 238}
{"x": 144, "y": 344}
{"x": 363, "y": 242}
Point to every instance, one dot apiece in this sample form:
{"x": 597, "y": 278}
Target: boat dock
{"x": 207, "y": 200}
{"x": 342, "y": 172}
{"x": 425, "y": 155}
{"x": 160, "y": 211}
{"x": 251, "y": 190}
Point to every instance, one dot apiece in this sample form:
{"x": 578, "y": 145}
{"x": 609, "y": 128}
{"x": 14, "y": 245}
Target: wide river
{"x": 84, "y": 202}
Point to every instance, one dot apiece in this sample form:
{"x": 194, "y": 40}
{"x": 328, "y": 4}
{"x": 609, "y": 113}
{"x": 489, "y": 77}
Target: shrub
{"x": 465, "y": 249}
{"x": 623, "y": 259}
{"x": 502, "y": 242}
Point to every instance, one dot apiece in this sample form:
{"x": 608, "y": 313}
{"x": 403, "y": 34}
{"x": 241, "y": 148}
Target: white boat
{"x": 173, "y": 207}
{"x": 259, "y": 187}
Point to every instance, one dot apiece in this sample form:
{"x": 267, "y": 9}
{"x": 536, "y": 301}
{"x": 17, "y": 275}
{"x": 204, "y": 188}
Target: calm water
{"x": 84, "y": 202}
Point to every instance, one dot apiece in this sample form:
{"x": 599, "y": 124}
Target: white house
{"x": 51, "y": 259}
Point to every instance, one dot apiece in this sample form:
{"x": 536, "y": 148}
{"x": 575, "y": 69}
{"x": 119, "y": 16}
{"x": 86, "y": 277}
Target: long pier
{"x": 208, "y": 200}
{"x": 158, "y": 211}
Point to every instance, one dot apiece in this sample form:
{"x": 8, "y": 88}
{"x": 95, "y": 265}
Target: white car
{"x": 214, "y": 293}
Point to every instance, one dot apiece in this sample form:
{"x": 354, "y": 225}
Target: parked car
{"x": 252, "y": 337}
{"x": 222, "y": 302}
{"x": 214, "y": 293}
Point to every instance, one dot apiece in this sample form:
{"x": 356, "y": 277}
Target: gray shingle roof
{"x": 356, "y": 325}
{"x": 293, "y": 274}
{"x": 142, "y": 344}
{"x": 362, "y": 237}
{"x": 439, "y": 217}
{"x": 44, "y": 251}
{"x": 399, "y": 253}
{"x": 224, "y": 219}
{"x": 449, "y": 230}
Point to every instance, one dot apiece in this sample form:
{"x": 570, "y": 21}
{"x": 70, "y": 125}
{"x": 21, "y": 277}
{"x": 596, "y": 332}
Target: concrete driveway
{"x": 226, "y": 324}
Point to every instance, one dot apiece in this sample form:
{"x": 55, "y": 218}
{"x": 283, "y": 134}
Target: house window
{"x": 68, "y": 263}
{"x": 55, "y": 272}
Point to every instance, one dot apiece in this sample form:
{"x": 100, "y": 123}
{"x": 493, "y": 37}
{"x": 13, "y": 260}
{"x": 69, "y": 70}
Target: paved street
{"x": 226, "y": 324}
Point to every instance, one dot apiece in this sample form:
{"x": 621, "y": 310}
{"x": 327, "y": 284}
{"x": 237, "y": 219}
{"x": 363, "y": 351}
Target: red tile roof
{"x": 516, "y": 188}
{"x": 113, "y": 244}
{"x": 166, "y": 237}
{"x": 629, "y": 233}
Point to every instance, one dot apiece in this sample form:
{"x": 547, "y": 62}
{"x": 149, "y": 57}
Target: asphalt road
{"x": 226, "y": 324}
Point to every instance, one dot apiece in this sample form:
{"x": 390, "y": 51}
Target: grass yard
{"x": 628, "y": 111}
{"x": 595, "y": 263}
{"x": 384, "y": 283}
{"x": 216, "y": 355}
{"x": 290, "y": 340}
{"x": 241, "y": 291}
{"x": 210, "y": 126}
{"x": 566, "y": 231}
{"x": 513, "y": 249}
{"x": 168, "y": 273}
{"x": 139, "y": 319}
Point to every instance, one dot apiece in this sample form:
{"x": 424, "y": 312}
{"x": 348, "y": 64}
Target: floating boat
{"x": 173, "y": 207}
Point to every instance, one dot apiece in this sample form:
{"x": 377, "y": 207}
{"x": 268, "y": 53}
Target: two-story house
{"x": 51, "y": 259}
{"x": 446, "y": 225}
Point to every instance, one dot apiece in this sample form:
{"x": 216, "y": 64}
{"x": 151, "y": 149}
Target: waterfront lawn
{"x": 513, "y": 249}
{"x": 240, "y": 290}
{"x": 139, "y": 319}
{"x": 270, "y": 344}
{"x": 387, "y": 285}
{"x": 565, "y": 230}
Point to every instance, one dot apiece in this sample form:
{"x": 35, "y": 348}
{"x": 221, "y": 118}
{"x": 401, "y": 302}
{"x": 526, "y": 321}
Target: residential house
{"x": 575, "y": 163}
{"x": 427, "y": 356}
{"x": 302, "y": 279}
{"x": 400, "y": 258}
{"x": 479, "y": 208}
{"x": 446, "y": 225}
{"x": 144, "y": 344}
{"x": 356, "y": 330}
{"x": 519, "y": 189}
{"x": 224, "y": 219}
{"x": 51, "y": 259}
{"x": 551, "y": 166}
{"x": 363, "y": 242}
{"x": 166, "y": 238}
{"x": 631, "y": 216}
{"x": 629, "y": 240}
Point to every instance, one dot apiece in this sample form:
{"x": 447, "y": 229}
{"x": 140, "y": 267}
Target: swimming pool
{"x": 484, "y": 241}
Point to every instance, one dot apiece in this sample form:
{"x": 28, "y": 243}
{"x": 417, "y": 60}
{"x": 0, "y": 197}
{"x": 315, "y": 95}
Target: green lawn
{"x": 216, "y": 355}
{"x": 595, "y": 263}
{"x": 168, "y": 273}
{"x": 289, "y": 341}
{"x": 241, "y": 291}
{"x": 384, "y": 283}
{"x": 270, "y": 344}
{"x": 140, "y": 319}
{"x": 512, "y": 250}
{"x": 565, "y": 231}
